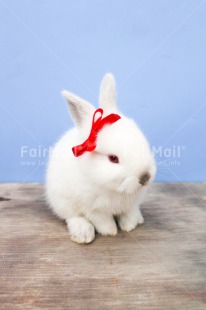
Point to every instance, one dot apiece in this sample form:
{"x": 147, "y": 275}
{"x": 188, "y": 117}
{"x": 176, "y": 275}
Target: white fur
{"x": 88, "y": 191}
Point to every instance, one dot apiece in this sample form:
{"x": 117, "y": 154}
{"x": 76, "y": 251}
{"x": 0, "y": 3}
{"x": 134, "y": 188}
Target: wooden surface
{"x": 160, "y": 265}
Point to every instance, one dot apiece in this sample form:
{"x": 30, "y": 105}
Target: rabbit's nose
{"x": 144, "y": 178}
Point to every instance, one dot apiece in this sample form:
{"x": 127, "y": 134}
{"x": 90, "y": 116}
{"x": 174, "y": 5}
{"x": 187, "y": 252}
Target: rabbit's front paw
{"x": 104, "y": 223}
{"x": 80, "y": 230}
{"x": 129, "y": 221}
{"x": 107, "y": 229}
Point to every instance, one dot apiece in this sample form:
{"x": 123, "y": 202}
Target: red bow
{"x": 90, "y": 144}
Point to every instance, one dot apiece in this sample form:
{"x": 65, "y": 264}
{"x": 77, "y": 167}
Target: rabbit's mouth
{"x": 130, "y": 185}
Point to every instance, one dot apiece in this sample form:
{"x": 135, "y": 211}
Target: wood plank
{"x": 160, "y": 265}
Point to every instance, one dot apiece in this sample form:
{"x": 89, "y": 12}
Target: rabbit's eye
{"x": 113, "y": 158}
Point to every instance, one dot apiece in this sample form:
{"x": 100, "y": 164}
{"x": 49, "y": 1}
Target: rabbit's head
{"x": 122, "y": 161}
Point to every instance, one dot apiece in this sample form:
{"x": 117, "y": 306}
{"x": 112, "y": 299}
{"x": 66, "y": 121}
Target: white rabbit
{"x": 90, "y": 189}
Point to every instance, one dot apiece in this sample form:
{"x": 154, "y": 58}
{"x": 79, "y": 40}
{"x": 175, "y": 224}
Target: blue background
{"x": 155, "y": 49}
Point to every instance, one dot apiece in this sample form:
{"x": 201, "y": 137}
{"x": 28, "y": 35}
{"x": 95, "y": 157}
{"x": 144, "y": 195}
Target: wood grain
{"x": 160, "y": 265}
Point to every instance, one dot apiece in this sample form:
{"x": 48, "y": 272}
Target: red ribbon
{"x": 90, "y": 144}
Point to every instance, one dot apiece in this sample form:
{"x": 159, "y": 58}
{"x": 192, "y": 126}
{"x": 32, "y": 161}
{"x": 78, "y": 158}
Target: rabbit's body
{"x": 89, "y": 190}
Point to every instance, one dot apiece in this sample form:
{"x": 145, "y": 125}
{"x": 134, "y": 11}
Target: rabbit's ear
{"x": 107, "y": 96}
{"x": 81, "y": 110}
